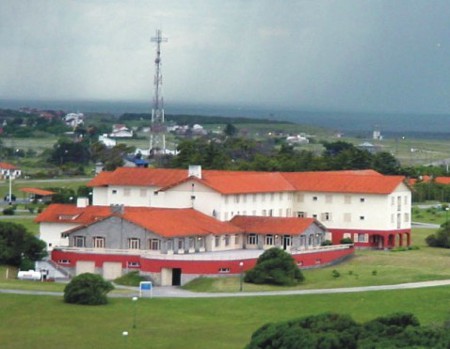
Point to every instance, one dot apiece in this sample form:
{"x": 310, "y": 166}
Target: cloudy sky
{"x": 355, "y": 55}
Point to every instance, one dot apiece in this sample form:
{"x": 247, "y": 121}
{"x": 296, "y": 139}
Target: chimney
{"x": 117, "y": 209}
{"x": 82, "y": 202}
{"x": 195, "y": 171}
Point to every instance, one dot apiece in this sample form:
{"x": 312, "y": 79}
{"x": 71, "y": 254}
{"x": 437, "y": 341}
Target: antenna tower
{"x": 157, "y": 127}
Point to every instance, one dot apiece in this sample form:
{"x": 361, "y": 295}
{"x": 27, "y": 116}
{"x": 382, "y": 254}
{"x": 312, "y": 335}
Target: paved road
{"x": 176, "y": 292}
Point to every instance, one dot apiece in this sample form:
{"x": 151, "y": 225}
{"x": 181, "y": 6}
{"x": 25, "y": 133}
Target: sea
{"x": 357, "y": 124}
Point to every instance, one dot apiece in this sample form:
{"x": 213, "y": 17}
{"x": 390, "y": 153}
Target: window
{"x": 217, "y": 241}
{"x": 237, "y": 198}
{"x": 263, "y": 197}
{"x": 281, "y": 196}
{"x": 269, "y": 240}
{"x": 270, "y": 212}
{"x": 79, "y": 241}
{"x": 134, "y": 265}
{"x": 251, "y": 239}
{"x": 328, "y": 199}
{"x": 99, "y": 242}
{"x": 126, "y": 192}
{"x": 280, "y": 212}
{"x": 227, "y": 240}
{"x": 237, "y": 239}
{"x": 406, "y": 200}
{"x": 154, "y": 244}
{"x": 224, "y": 270}
{"x": 191, "y": 243}
{"x": 361, "y": 218}
{"x": 180, "y": 244}
{"x": 143, "y": 193}
{"x": 347, "y": 199}
{"x": 314, "y": 216}
{"x": 361, "y": 237}
{"x": 254, "y": 197}
{"x": 201, "y": 242}
{"x": 64, "y": 261}
{"x": 300, "y": 197}
{"x": 264, "y": 213}
{"x": 314, "y": 198}
{"x": 406, "y": 217}
{"x": 114, "y": 191}
{"x": 272, "y": 196}
{"x": 133, "y": 244}
{"x": 347, "y": 217}
{"x": 301, "y": 214}
{"x": 244, "y": 198}
{"x": 362, "y": 199}
{"x": 169, "y": 245}
{"x": 392, "y": 201}
{"x": 326, "y": 216}
{"x": 226, "y": 199}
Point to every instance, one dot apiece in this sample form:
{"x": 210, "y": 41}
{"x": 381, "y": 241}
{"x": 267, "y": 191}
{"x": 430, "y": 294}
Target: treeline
{"x": 183, "y": 119}
{"x": 247, "y": 154}
{"x": 336, "y": 331}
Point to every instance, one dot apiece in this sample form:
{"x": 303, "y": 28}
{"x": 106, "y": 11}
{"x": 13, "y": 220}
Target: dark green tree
{"x": 275, "y": 266}
{"x": 385, "y": 163}
{"x": 441, "y": 238}
{"x": 87, "y": 289}
{"x": 18, "y": 247}
{"x": 230, "y": 130}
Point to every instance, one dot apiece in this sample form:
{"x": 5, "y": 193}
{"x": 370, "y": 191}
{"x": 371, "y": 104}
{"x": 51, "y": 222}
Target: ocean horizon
{"x": 361, "y": 124}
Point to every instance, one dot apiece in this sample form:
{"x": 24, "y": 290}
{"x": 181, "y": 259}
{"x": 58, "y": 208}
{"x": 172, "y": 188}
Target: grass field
{"x": 222, "y": 323}
{"x": 47, "y": 322}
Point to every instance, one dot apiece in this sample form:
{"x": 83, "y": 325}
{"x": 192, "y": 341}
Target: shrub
{"x": 346, "y": 241}
{"x": 276, "y": 267}
{"x": 87, "y": 289}
{"x": 130, "y": 279}
{"x": 326, "y": 243}
{"x": 9, "y": 211}
{"x": 335, "y": 273}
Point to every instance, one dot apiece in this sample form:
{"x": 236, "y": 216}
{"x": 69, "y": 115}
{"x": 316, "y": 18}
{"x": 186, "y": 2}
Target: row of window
{"x": 264, "y": 213}
{"x": 132, "y": 243}
{"x": 259, "y": 197}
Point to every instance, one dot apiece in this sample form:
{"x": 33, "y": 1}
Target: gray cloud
{"x": 348, "y": 55}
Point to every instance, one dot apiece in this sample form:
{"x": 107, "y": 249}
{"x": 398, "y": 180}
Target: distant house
{"x": 108, "y": 142}
{"x": 74, "y": 119}
{"x": 297, "y": 139}
{"x": 37, "y": 194}
{"x": 8, "y": 170}
{"x": 121, "y": 131}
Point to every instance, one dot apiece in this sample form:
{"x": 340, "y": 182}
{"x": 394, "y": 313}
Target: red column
{"x": 400, "y": 239}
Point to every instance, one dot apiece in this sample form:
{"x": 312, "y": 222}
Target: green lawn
{"x": 222, "y": 323}
{"x": 47, "y": 322}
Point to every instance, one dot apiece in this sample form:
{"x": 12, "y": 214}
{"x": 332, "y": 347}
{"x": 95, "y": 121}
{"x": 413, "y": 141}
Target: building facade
{"x": 175, "y": 224}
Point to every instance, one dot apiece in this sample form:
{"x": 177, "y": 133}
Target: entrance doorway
{"x": 176, "y": 277}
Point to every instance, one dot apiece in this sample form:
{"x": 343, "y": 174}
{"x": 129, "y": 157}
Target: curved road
{"x": 175, "y": 292}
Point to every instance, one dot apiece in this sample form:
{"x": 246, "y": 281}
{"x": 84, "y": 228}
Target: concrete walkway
{"x": 176, "y": 292}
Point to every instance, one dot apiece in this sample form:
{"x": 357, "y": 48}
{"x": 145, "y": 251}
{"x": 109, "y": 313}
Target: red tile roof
{"x": 162, "y": 221}
{"x": 6, "y": 166}
{"x": 344, "y": 182}
{"x": 37, "y": 191}
{"x": 65, "y": 213}
{"x": 137, "y": 176}
{"x": 238, "y": 182}
{"x": 274, "y": 225}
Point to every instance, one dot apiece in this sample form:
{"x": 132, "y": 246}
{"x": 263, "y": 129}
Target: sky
{"x": 344, "y": 55}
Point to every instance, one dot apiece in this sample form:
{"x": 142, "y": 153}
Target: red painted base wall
{"x": 204, "y": 267}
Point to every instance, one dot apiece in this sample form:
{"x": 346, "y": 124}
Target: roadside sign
{"x": 145, "y": 287}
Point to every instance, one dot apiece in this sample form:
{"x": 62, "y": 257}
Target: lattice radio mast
{"x": 157, "y": 127}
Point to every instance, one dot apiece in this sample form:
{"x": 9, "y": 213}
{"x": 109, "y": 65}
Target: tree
{"x": 275, "y": 266}
{"x": 230, "y": 130}
{"x": 441, "y": 238}
{"x": 335, "y": 331}
{"x": 18, "y": 247}
{"x": 87, "y": 289}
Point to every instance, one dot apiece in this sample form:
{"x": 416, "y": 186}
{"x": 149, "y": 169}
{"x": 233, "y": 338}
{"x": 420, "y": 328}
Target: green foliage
{"x": 326, "y": 243}
{"x": 9, "y": 211}
{"x": 335, "y": 273}
{"x": 87, "y": 289}
{"x": 230, "y": 130}
{"x": 130, "y": 279}
{"x": 334, "y": 331}
{"x": 441, "y": 238}
{"x": 66, "y": 151}
{"x": 346, "y": 241}
{"x": 19, "y": 247}
{"x": 276, "y": 267}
